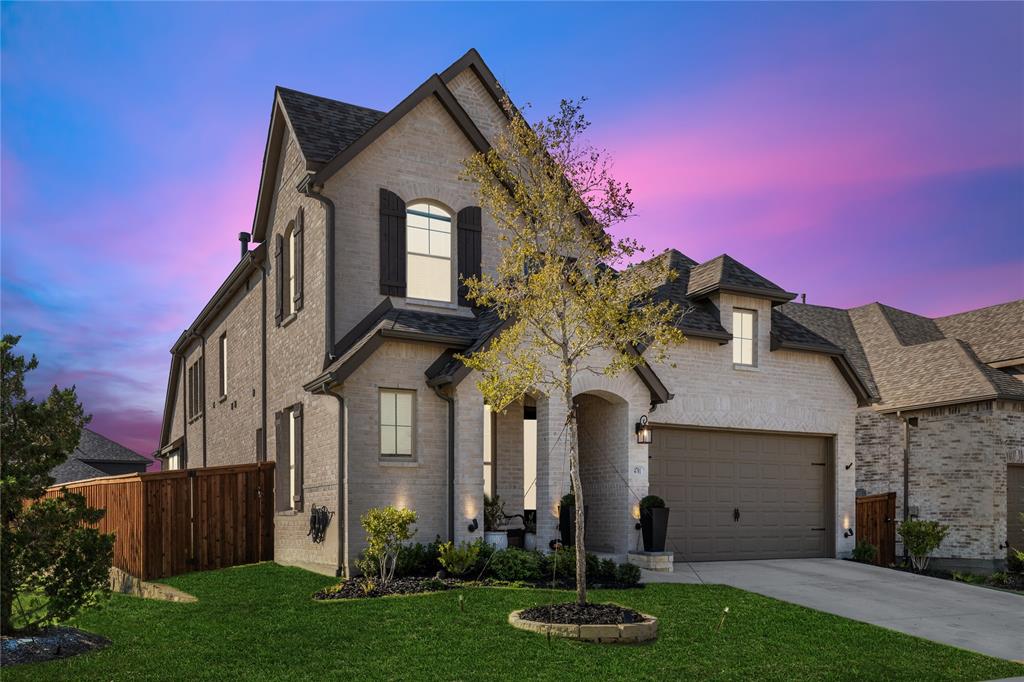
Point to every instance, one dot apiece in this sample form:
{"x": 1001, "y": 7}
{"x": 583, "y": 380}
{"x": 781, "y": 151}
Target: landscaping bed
{"x": 581, "y": 614}
{"x": 363, "y": 588}
{"x": 1012, "y": 581}
{"x": 48, "y": 644}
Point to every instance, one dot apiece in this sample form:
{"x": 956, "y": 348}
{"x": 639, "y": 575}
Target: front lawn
{"x": 259, "y": 622}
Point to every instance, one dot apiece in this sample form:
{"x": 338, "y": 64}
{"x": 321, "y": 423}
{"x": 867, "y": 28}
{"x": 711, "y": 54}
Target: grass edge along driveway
{"x": 259, "y": 622}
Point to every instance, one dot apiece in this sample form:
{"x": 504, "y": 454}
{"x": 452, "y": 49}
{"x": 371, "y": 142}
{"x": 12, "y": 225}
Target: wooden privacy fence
{"x": 173, "y": 522}
{"x": 876, "y": 523}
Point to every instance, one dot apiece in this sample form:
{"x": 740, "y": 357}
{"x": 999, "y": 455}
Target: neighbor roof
{"x": 911, "y": 361}
{"x": 72, "y": 470}
{"x": 92, "y": 447}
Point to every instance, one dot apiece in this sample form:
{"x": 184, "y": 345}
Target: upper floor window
{"x": 744, "y": 337}
{"x": 428, "y": 231}
{"x": 223, "y": 363}
{"x": 396, "y": 423}
{"x": 196, "y": 387}
{"x": 290, "y": 240}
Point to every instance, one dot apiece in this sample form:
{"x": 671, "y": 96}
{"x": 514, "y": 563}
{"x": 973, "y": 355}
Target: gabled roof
{"x": 701, "y": 318}
{"x": 331, "y": 133}
{"x": 978, "y": 328}
{"x": 725, "y": 273}
{"x": 911, "y": 361}
{"x": 92, "y": 447}
{"x": 323, "y": 127}
{"x": 72, "y": 470}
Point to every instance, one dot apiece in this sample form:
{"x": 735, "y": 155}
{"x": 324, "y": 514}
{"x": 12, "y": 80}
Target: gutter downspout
{"x": 343, "y": 569}
{"x": 314, "y": 193}
{"x": 263, "y": 361}
{"x": 906, "y": 470}
{"x": 451, "y": 460}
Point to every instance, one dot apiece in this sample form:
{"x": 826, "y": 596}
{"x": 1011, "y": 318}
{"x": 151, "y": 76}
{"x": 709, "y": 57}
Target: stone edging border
{"x": 625, "y": 633}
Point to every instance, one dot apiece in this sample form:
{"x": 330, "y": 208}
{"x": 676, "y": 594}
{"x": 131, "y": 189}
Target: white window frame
{"x": 291, "y": 458}
{"x": 223, "y": 366}
{"x": 434, "y": 213}
{"x": 392, "y": 393}
{"x": 290, "y": 238}
{"x": 739, "y": 341}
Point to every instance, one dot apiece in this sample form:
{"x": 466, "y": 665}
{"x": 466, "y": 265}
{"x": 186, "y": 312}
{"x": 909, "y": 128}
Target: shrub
{"x": 418, "y": 560}
{"x": 568, "y": 500}
{"x": 386, "y": 529}
{"x": 864, "y": 552}
{"x": 1015, "y": 561}
{"x": 627, "y": 574}
{"x": 652, "y": 502}
{"x": 458, "y": 560}
{"x": 921, "y": 538}
{"x": 513, "y": 565}
{"x": 494, "y": 513}
{"x": 605, "y": 572}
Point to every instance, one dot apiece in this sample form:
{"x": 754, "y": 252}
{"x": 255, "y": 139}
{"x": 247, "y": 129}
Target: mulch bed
{"x": 587, "y": 614}
{"x": 357, "y": 588}
{"x": 48, "y": 644}
{"x": 1013, "y": 582}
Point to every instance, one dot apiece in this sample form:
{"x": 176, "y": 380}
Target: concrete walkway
{"x": 966, "y": 616}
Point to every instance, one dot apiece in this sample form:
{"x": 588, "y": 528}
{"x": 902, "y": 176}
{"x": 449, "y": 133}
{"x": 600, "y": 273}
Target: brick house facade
{"x": 350, "y": 384}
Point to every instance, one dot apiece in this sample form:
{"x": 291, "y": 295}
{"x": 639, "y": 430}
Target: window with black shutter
{"x": 288, "y": 474}
{"x": 296, "y": 250}
{"x": 470, "y": 232}
{"x": 392, "y": 244}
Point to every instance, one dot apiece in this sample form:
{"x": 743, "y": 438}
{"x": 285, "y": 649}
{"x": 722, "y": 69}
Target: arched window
{"x": 428, "y": 231}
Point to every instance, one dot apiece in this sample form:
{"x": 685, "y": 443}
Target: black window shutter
{"x": 299, "y": 220}
{"x": 392, "y": 244}
{"x": 279, "y": 275}
{"x": 297, "y": 415}
{"x": 470, "y": 226}
{"x": 281, "y": 462}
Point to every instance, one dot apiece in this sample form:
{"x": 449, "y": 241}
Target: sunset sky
{"x": 854, "y": 152}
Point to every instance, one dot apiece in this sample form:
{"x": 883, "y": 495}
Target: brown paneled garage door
{"x": 742, "y": 495}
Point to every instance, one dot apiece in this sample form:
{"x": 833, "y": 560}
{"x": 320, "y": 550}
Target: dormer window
{"x": 428, "y": 231}
{"x": 744, "y": 338}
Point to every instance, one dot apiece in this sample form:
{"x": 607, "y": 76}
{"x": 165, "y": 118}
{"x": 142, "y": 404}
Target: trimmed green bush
{"x": 418, "y": 560}
{"x": 458, "y": 560}
{"x": 628, "y": 574}
{"x": 568, "y": 500}
{"x": 652, "y": 502}
{"x": 864, "y": 552}
{"x": 921, "y": 538}
{"x": 513, "y": 565}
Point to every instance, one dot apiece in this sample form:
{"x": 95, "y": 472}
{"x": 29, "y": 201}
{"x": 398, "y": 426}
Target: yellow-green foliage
{"x": 386, "y": 529}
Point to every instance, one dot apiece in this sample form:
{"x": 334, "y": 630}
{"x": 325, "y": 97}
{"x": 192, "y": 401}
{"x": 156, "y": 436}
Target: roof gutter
{"x": 307, "y": 188}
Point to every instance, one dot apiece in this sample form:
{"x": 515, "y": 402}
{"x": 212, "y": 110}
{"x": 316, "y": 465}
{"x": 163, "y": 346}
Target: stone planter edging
{"x": 624, "y": 633}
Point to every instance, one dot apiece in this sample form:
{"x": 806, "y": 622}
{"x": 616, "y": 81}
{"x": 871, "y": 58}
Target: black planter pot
{"x": 567, "y": 524}
{"x": 654, "y": 524}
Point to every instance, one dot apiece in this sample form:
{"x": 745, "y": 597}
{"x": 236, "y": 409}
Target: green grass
{"x": 259, "y": 622}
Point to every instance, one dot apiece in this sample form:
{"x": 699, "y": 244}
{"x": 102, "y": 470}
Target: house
{"x": 945, "y": 431}
{"x": 330, "y": 349}
{"x": 97, "y": 456}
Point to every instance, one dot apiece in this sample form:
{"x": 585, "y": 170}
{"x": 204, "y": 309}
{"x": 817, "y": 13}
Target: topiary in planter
{"x": 567, "y": 519}
{"x": 653, "y": 523}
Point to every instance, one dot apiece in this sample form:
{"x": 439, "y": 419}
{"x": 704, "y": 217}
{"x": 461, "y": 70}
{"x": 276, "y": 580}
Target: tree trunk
{"x": 577, "y": 491}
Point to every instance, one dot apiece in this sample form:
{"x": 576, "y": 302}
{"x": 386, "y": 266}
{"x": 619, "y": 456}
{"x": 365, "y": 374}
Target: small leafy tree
{"x": 386, "y": 529}
{"x": 568, "y": 309}
{"x": 53, "y": 563}
{"x": 494, "y": 513}
{"x": 921, "y": 538}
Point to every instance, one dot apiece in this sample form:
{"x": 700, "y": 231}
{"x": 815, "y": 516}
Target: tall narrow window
{"x": 396, "y": 423}
{"x": 292, "y": 461}
{"x": 291, "y": 269}
{"x": 223, "y": 348}
{"x": 428, "y": 230}
{"x": 744, "y": 337}
{"x": 488, "y": 451}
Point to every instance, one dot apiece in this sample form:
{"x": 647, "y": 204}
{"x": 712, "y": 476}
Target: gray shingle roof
{"x": 92, "y": 447}
{"x": 909, "y": 360}
{"x": 74, "y": 470}
{"x": 324, "y": 127}
{"x": 701, "y": 318}
{"x": 996, "y": 333}
{"x": 725, "y": 272}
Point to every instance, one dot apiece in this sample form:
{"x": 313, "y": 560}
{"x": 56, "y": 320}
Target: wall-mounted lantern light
{"x": 643, "y": 431}
{"x": 473, "y": 526}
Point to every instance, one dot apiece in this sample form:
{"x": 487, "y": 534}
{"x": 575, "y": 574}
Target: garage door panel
{"x": 772, "y": 479}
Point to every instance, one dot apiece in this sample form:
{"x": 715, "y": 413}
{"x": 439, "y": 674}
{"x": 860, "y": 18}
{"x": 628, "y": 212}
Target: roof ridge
{"x": 328, "y": 99}
{"x": 978, "y": 310}
{"x": 968, "y": 354}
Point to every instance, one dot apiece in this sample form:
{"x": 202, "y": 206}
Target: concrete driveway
{"x": 966, "y": 616}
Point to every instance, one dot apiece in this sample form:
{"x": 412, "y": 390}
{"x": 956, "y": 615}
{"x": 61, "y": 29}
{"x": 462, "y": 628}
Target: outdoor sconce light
{"x": 643, "y": 431}
{"x": 848, "y": 532}
{"x": 473, "y": 526}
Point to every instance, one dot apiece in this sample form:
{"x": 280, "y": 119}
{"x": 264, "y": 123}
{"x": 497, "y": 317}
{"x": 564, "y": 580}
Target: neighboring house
{"x": 330, "y": 350}
{"x": 949, "y": 411}
{"x": 97, "y": 456}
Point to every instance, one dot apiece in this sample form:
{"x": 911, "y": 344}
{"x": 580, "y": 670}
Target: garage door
{"x": 1014, "y": 506}
{"x": 738, "y": 495}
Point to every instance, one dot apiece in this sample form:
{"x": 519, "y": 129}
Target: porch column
{"x": 508, "y": 461}
{"x": 469, "y": 461}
